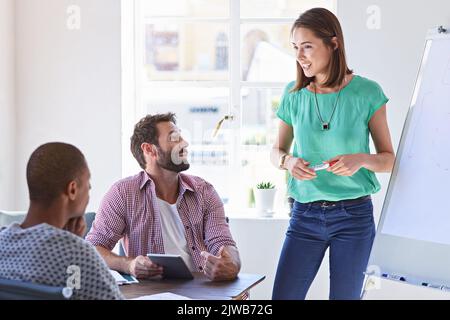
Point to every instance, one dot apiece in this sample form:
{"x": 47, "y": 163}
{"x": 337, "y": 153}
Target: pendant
{"x": 325, "y": 126}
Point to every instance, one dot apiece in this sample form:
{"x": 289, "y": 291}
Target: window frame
{"x": 133, "y": 84}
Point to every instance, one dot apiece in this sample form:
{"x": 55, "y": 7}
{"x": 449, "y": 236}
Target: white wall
{"x": 68, "y": 86}
{"x": 391, "y": 56}
{"x": 7, "y": 115}
{"x": 259, "y": 242}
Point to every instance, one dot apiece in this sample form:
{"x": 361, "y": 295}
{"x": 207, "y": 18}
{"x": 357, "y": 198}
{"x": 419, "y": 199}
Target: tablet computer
{"x": 173, "y": 266}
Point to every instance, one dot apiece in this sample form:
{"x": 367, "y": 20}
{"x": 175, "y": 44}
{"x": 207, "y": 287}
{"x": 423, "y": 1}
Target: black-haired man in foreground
{"x": 47, "y": 247}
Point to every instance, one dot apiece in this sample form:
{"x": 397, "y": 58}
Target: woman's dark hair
{"x": 325, "y": 25}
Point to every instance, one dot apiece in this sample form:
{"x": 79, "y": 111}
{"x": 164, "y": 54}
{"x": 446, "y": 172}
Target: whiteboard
{"x": 412, "y": 243}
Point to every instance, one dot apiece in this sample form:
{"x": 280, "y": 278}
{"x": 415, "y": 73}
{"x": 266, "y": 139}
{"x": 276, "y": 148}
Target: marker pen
{"x": 323, "y": 166}
{"x": 393, "y": 277}
{"x": 434, "y": 286}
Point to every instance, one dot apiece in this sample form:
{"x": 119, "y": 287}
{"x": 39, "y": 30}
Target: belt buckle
{"x": 326, "y": 204}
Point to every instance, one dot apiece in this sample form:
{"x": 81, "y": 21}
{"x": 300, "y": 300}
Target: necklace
{"x": 325, "y": 124}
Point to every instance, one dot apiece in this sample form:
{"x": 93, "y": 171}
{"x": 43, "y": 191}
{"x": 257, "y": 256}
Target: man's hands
{"x": 77, "y": 226}
{"x": 225, "y": 266}
{"x": 142, "y": 267}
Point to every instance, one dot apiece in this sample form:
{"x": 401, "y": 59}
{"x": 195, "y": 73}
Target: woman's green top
{"x": 348, "y": 134}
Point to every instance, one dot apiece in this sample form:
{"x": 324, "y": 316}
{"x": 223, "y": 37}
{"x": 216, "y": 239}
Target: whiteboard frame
{"x": 377, "y": 271}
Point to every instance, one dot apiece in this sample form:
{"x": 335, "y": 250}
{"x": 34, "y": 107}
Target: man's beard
{"x": 165, "y": 161}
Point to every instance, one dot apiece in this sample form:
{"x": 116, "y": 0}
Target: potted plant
{"x": 264, "y": 199}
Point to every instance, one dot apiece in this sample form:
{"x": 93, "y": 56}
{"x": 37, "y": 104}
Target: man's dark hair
{"x": 146, "y": 131}
{"x": 51, "y": 168}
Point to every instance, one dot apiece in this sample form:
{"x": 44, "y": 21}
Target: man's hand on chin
{"x": 77, "y": 226}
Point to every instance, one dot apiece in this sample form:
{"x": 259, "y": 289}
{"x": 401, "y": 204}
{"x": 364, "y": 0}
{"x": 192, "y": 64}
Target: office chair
{"x": 19, "y": 290}
{"x": 89, "y": 217}
{"x": 8, "y": 217}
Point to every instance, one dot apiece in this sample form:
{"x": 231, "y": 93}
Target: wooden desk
{"x": 198, "y": 288}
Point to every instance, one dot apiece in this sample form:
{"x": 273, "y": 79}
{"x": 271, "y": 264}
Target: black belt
{"x": 325, "y": 204}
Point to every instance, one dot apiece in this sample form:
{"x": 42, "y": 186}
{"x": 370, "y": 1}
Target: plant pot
{"x": 264, "y": 200}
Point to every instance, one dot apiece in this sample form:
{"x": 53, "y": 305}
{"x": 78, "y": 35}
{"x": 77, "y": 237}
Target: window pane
{"x": 185, "y": 8}
{"x": 258, "y": 116}
{"x": 280, "y": 8}
{"x": 258, "y": 134}
{"x": 187, "y": 51}
{"x": 267, "y": 54}
{"x": 198, "y": 111}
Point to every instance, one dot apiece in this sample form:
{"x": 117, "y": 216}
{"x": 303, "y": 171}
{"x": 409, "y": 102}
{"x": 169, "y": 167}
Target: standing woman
{"x": 328, "y": 114}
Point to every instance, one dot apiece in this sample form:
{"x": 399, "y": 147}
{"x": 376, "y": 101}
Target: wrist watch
{"x": 282, "y": 161}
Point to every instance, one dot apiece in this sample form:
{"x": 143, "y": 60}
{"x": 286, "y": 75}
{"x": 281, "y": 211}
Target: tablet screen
{"x": 173, "y": 266}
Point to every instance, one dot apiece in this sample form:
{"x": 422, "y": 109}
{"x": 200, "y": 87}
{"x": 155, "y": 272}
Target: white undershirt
{"x": 173, "y": 233}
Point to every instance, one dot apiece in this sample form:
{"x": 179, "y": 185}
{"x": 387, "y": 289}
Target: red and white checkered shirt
{"x": 130, "y": 211}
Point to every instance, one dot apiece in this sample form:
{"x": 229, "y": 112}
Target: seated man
{"x": 39, "y": 250}
{"x": 161, "y": 210}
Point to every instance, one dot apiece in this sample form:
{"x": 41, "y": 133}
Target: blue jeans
{"x": 347, "y": 229}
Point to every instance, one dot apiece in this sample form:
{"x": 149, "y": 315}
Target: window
{"x": 209, "y": 61}
{"x": 222, "y": 51}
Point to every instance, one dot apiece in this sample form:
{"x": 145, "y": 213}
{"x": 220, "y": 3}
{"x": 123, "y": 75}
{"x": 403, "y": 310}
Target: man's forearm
{"x": 234, "y": 254}
{"x": 114, "y": 261}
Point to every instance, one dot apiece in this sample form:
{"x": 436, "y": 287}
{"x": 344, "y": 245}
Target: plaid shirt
{"x": 130, "y": 211}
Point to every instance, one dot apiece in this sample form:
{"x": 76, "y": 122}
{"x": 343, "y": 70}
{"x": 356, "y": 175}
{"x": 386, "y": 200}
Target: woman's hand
{"x": 299, "y": 169}
{"x": 347, "y": 165}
